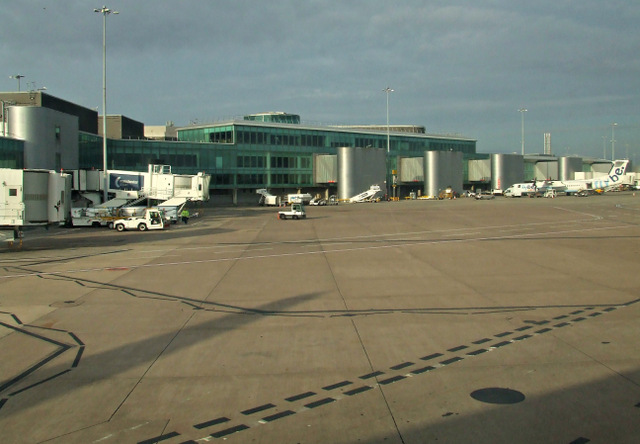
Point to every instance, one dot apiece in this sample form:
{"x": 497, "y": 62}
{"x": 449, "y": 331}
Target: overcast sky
{"x": 457, "y": 67}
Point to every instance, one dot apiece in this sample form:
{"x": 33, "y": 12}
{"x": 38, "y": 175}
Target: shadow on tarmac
{"x": 604, "y": 410}
{"x": 13, "y": 384}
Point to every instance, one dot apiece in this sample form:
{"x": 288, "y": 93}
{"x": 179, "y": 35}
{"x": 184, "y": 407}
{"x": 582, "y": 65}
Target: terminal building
{"x": 273, "y": 150}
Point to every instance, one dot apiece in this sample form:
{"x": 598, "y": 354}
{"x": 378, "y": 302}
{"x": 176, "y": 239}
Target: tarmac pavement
{"x": 498, "y": 321}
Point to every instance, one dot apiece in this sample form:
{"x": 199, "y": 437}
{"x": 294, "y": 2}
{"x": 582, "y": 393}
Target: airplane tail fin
{"x": 618, "y": 168}
{"x": 616, "y": 173}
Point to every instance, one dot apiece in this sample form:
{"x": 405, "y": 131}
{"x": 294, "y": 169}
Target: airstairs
{"x": 366, "y": 196}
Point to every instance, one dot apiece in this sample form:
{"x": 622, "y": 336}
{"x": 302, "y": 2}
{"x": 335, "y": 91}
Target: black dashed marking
{"x": 355, "y": 391}
{"x": 229, "y": 431}
{"x": 204, "y": 425}
{"x": 523, "y": 328}
{"x": 401, "y": 366}
{"x": 313, "y": 405}
{"x": 372, "y": 375}
{"x": 501, "y": 344}
{"x": 160, "y": 438}
{"x": 279, "y": 415}
{"x": 300, "y": 396}
{"x": 580, "y": 440}
{"x": 431, "y": 356}
{"x": 481, "y": 341}
{"x": 543, "y": 330}
{"x": 594, "y": 314}
{"x": 458, "y": 348}
{"x": 260, "y": 408}
{"x": 577, "y": 312}
{"x": 391, "y": 380}
{"x": 579, "y": 319}
{"x": 608, "y": 309}
{"x": 451, "y": 361}
{"x": 477, "y": 352}
{"x": 557, "y": 318}
{"x": 503, "y": 334}
{"x": 520, "y": 338}
{"x": 561, "y": 324}
{"x": 337, "y": 385}
{"x": 419, "y": 371}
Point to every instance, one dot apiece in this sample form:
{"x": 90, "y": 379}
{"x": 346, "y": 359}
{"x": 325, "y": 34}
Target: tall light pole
{"x": 105, "y": 12}
{"x": 604, "y": 147}
{"x": 613, "y": 141}
{"x": 522, "y": 111}
{"x": 388, "y": 91}
{"x": 17, "y": 77}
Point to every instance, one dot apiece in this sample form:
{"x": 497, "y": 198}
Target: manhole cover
{"x": 497, "y": 395}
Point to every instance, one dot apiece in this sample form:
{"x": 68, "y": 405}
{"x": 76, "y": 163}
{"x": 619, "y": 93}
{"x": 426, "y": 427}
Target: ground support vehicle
{"x": 317, "y": 201}
{"x": 94, "y": 217}
{"x": 303, "y": 198}
{"x": 295, "y": 212}
{"x": 484, "y": 196}
{"x": 266, "y": 198}
{"x": 367, "y": 196}
{"x": 152, "y": 220}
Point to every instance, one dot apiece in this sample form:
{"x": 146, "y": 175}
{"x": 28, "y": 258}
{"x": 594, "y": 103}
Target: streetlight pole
{"x": 522, "y": 111}
{"x": 17, "y": 77}
{"x": 105, "y": 12}
{"x": 613, "y": 141}
{"x": 604, "y": 147}
{"x": 388, "y": 90}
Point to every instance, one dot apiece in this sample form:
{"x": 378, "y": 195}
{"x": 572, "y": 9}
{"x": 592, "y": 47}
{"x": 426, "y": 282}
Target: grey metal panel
{"x": 546, "y": 170}
{"x": 411, "y": 169}
{"x": 442, "y": 169}
{"x": 568, "y": 167}
{"x": 506, "y": 169}
{"x": 358, "y": 169}
{"x": 51, "y": 137}
{"x": 601, "y": 167}
{"x": 325, "y": 168}
{"x": 35, "y": 195}
{"x": 479, "y": 170}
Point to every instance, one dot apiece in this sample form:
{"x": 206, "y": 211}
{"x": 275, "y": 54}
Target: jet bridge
{"x": 32, "y": 198}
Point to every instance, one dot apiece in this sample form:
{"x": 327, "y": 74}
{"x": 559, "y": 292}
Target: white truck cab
{"x": 295, "y": 212}
{"x": 152, "y": 220}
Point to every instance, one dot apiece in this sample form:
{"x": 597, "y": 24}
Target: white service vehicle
{"x": 520, "y": 189}
{"x": 303, "y": 198}
{"x": 295, "y": 212}
{"x": 152, "y": 220}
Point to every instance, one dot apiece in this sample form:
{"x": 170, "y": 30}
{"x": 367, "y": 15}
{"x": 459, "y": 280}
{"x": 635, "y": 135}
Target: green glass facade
{"x": 11, "y": 153}
{"x": 249, "y": 154}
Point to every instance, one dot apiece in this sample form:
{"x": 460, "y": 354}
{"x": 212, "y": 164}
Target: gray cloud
{"x": 458, "y": 67}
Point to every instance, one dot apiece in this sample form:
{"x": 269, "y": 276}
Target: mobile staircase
{"x": 366, "y": 196}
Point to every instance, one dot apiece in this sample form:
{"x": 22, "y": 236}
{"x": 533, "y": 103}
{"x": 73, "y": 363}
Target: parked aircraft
{"x": 615, "y": 177}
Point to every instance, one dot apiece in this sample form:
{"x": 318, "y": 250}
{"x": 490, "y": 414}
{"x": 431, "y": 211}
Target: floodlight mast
{"x": 105, "y": 12}
{"x": 17, "y": 77}
{"x": 388, "y": 90}
{"x": 613, "y": 141}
